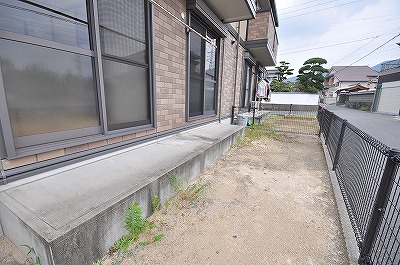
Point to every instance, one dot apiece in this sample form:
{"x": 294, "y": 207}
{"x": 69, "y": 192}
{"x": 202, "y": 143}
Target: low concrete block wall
{"x": 89, "y": 237}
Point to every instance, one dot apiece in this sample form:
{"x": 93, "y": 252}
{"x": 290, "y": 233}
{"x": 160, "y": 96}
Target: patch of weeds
{"x": 254, "y": 132}
{"x": 158, "y": 237}
{"x": 175, "y": 183}
{"x": 192, "y": 192}
{"x": 35, "y": 260}
{"x": 134, "y": 221}
{"x": 119, "y": 258}
{"x": 122, "y": 244}
{"x": 137, "y": 227}
{"x": 155, "y": 203}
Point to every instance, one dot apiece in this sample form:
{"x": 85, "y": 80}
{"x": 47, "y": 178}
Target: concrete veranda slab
{"x": 52, "y": 211}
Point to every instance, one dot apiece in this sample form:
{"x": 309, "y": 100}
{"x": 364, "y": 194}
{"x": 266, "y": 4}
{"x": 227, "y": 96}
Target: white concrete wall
{"x": 294, "y": 98}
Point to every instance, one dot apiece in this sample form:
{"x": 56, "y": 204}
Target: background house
{"x": 343, "y": 77}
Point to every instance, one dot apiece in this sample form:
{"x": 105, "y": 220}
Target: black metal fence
{"x": 290, "y": 118}
{"x": 369, "y": 178}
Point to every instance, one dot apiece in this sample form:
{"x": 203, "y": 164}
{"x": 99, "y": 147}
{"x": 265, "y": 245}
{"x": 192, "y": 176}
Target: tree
{"x": 310, "y": 75}
{"x": 283, "y": 71}
{"x": 278, "y": 86}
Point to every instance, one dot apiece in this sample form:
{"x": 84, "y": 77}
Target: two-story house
{"x": 342, "y": 77}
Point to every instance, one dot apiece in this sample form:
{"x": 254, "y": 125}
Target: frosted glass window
{"x": 47, "y": 90}
{"x": 121, "y": 46}
{"x": 123, "y": 29}
{"x": 127, "y": 95}
{"x": 27, "y": 19}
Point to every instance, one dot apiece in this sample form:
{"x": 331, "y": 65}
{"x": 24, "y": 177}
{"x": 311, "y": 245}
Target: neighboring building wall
{"x": 330, "y": 95}
{"x": 389, "y": 101}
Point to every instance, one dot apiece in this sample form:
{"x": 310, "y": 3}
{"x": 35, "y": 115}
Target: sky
{"x": 344, "y": 32}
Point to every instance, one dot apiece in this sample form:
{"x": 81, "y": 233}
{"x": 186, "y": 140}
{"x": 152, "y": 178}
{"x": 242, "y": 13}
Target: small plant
{"x": 192, "y": 192}
{"x": 175, "y": 183}
{"x": 134, "y": 222}
{"x": 98, "y": 262}
{"x": 118, "y": 261}
{"x": 122, "y": 244}
{"x": 155, "y": 203}
{"x": 158, "y": 237}
{"x": 29, "y": 260}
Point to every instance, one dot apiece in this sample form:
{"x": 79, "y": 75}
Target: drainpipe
{"x": 237, "y": 60}
{"x": 221, "y": 79}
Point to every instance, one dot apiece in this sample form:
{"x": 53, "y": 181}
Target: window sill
{"x": 43, "y": 148}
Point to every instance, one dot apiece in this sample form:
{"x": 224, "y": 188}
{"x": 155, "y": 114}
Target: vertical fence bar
{"x": 381, "y": 201}
{"x": 329, "y": 128}
{"x": 254, "y": 114}
{"x": 339, "y": 145}
{"x": 321, "y": 125}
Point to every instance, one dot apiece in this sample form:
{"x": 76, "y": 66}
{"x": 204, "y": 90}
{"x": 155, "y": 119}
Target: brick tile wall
{"x": 228, "y": 79}
{"x": 170, "y": 57}
{"x": 258, "y": 27}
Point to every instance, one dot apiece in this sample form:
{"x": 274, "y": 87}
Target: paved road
{"x": 385, "y": 128}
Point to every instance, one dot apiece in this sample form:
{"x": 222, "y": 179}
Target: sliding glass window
{"x": 203, "y": 64}
{"x": 125, "y": 62}
{"x": 50, "y": 89}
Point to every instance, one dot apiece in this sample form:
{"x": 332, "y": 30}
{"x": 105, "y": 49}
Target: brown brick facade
{"x": 258, "y": 28}
{"x": 263, "y": 27}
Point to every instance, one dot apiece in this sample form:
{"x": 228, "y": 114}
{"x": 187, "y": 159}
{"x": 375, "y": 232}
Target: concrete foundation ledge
{"x": 72, "y": 215}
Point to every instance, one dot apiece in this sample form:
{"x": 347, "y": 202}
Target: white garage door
{"x": 389, "y": 101}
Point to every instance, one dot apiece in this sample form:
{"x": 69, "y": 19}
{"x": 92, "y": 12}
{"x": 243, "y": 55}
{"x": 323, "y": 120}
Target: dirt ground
{"x": 269, "y": 201}
{"x": 9, "y": 253}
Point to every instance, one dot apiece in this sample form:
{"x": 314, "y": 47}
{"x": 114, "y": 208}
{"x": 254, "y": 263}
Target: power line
{"x": 333, "y": 45}
{"x": 322, "y": 9}
{"x": 298, "y": 4}
{"x": 356, "y": 50}
{"x": 319, "y": 4}
{"x": 340, "y": 22}
{"x": 370, "y": 52}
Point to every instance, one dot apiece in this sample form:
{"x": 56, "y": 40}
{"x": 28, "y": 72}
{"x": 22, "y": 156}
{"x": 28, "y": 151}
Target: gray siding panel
{"x": 389, "y": 101}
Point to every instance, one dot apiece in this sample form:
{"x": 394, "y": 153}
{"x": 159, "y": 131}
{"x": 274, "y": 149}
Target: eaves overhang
{"x": 248, "y": 58}
{"x": 232, "y": 10}
{"x": 261, "y": 52}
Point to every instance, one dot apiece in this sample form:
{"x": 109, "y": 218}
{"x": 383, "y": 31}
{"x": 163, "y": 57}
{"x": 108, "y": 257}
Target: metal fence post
{"x": 254, "y": 113}
{"x": 321, "y": 125}
{"x": 232, "y": 114}
{"x": 381, "y": 201}
{"x": 339, "y": 145}
{"x": 329, "y": 128}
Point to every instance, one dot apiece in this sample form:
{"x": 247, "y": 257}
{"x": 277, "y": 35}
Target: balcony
{"x": 262, "y": 41}
{"x": 229, "y": 10}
